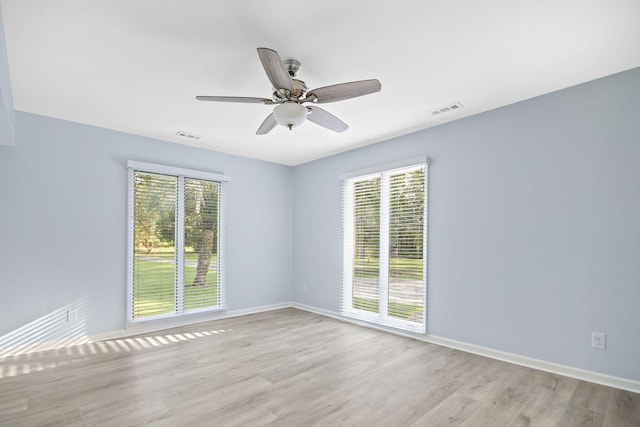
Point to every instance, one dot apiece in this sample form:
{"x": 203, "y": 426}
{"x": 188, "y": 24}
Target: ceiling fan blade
{"x": 325, "y": 119}
{"x": 275, "y": 69}
{"x": 342, "y": 91}
{"x": 266, "y": 126}
{"x": 243, "y": 99}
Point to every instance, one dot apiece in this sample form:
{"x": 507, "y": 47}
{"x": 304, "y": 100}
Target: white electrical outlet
{"x": 598, "y": 340}
{"x": 72, "y": 314}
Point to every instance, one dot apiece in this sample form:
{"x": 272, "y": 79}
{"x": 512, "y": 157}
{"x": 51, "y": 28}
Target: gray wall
{"x": 6, "y": 98}
{"x": 534, "y": 225}
{"x": 63, "y": 194}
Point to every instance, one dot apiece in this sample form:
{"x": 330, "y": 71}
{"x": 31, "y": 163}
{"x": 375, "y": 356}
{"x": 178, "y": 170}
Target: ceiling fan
{"x": 290, "y": 94}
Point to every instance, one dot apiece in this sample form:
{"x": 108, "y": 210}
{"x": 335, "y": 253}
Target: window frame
{"x": 346, "y": 308}
{"x": 181, "y": 174}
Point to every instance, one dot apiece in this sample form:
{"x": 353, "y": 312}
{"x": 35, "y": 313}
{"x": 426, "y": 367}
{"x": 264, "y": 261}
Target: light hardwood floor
{"x": 292, "y": 368}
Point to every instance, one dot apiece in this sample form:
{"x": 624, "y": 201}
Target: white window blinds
{"x": 175, "y": 243}
{"x": 384, "y": 262}
{"x": 154, "y": 289}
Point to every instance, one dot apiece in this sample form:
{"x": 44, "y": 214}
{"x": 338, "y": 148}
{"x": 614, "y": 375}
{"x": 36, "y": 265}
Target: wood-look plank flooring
{"x": 292, "y": 368}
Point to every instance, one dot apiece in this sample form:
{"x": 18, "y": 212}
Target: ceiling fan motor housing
{"x": 283, "y": 95}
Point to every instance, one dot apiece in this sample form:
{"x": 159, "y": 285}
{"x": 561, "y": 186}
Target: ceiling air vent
{"x": 188, "y": 135}
{"x": 447, "y": 109}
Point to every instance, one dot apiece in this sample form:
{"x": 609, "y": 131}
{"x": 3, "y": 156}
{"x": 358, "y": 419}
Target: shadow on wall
{"x": 61, "y": 328}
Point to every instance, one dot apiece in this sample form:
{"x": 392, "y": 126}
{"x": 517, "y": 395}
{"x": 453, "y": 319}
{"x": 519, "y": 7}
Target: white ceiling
{"x": 136, "y": 66}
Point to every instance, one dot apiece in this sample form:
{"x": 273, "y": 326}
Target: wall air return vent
{"x": 447, "y": 109}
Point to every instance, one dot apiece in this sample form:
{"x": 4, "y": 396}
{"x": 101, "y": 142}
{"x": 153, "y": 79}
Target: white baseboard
{"x": 161, "y": 325}
{"x": 529, "y": 362}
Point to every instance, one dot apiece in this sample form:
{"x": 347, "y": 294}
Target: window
{"x": 384, "y": 216}
{"x": 175, "y": 242}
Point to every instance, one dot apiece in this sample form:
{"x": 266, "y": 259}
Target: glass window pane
{"x": 366, "y": 257}
{"x": 406, "y": 252}
{"x": 154, "y": 287}
{"x": 201, "y": 244}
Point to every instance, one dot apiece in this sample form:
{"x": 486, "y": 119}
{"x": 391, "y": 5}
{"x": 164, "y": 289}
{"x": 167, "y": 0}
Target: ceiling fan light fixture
{"x": 290, "y": 114}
